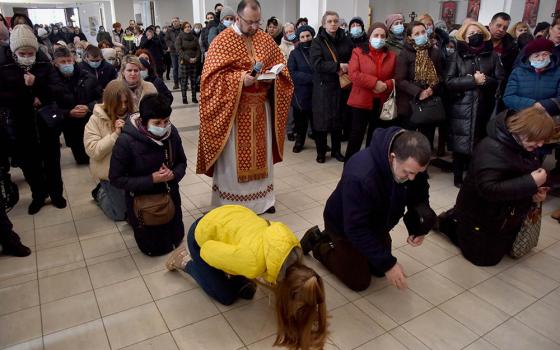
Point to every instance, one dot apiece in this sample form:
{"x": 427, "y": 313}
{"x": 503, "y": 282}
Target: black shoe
{"x": 328, "y": 148}
{"x": 12, "y": 246}
{"x": 194, "y": 99}
{"x": 297, "y": 148}
{"x": 310, "y": 239}
{"x": 185, "y": 101}
{"x": 167, "y": 77}
{"x": 59, "y": 202}
{"x": 176, "y": 87}
{"x": 291, "y": 136}
{"x": 338, "y": 156}
{"x": 35, "y": 206}
{"x": 458, "y": 181}
{"x": 95, "y": 191}
{"x": 271, "y": 210}
{"x": 248, "y": 291}
{"x": 320, "y": 159}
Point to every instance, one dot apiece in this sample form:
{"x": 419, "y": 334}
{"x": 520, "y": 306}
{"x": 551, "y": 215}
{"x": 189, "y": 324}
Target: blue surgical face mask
{"x": 421, "y": 40}
{"x": 94, "y": 65}
{"x": 356, "y": 31}
{"x": 540, "y": 64}
{"x": 227, "y": 23}
{"x": 66, "y": 69}
{"x": 429, "y": 31}
{"x": 144, "y": 74}
{"x": 292, "y": 37}
{"x": 377, "y": 43}
{"x": 397, "y": 29}
{"x": 159, "y": 131}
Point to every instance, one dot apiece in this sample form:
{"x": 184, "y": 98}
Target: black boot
{"x": 11, "y": 245}
{"x": 95, "y": 191}
{"x": 248, "y": 290}
{"x": 59, "y": 202}
{"x": 194, "y": 99}
{"x": 185, "y": 100}
{"x": 35, "y": 206}
{"x": 311, "y": 238}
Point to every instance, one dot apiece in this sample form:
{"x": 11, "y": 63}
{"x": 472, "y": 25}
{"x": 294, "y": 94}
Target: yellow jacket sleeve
{"x": 231, "y": 259}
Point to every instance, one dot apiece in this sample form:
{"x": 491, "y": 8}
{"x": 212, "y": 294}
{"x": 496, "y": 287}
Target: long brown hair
{"x": 301, "y": 310}
{"x": 112, "y": 95}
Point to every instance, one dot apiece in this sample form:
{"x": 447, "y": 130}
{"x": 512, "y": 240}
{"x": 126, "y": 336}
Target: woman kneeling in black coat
{"x": 147, "y": 159}
{"x": 503, "y": 182}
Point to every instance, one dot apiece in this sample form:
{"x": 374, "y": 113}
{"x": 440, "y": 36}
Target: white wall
{"x": 383, "y": 8}
{"x": 167, "y": 9}
{"x": 124, "y": 11}
{"x": 86, "y": 11}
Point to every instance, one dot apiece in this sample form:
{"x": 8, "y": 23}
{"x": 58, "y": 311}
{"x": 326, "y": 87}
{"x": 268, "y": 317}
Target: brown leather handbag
{"x": 344, "y": 79}
{"x": 155, "y": 209}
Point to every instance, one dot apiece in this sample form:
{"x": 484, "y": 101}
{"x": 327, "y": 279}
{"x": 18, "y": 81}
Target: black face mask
{"x": 476, "y": 40}
{"x": 306, "y": 44}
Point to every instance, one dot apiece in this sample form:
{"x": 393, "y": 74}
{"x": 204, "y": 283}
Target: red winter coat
{"x": 364, "y": 70}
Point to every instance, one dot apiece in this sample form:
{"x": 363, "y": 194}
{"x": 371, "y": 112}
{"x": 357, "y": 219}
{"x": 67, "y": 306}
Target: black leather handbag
{"x": 51, "y": 116}
{"x": 428, "y": 111}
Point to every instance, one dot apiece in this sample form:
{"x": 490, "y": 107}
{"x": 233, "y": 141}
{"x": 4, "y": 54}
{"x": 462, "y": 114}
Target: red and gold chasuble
{"x": 225, "y": 101}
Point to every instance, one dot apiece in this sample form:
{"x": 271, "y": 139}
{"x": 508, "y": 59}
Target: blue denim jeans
{"x": 111, "y": 200}
{"x": 175, "y": 64}
{"x": 216, "y": 283}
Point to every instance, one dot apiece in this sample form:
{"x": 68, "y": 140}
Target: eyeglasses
{"x": 252, "y": 23}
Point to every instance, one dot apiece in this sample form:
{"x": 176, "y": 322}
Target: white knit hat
{"x": 22, "y": 36}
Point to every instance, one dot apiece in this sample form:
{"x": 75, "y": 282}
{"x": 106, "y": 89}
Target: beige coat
{"x": 99, "y": 140}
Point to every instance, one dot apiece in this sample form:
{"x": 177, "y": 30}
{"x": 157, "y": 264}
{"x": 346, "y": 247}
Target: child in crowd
{"x": 231, "y": 246}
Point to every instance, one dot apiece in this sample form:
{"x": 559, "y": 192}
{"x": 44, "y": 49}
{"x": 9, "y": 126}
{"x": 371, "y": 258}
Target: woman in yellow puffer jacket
{"x": 231, "y": 246}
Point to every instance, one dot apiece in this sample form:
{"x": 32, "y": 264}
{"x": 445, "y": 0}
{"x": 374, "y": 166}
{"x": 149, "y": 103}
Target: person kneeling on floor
{"x": 504, "y": 182}
{"x": 376, "y": 185}
{"x": 231, "y": 246}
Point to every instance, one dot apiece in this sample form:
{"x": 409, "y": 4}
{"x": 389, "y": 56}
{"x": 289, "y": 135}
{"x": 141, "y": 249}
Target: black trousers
{"x": 321, "y": 141}
{"x": 49, "y": 142}
{"x": 344, "y": 261}
{"x": 364, "y": 122}
{"x": 74, "y": 136}
{"x": 301, "y": 119}
{"x": 460, "y": 164}
{"x": 28, "y": 155}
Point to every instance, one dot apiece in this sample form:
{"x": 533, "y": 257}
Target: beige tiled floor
{"x": 87, "y": 286}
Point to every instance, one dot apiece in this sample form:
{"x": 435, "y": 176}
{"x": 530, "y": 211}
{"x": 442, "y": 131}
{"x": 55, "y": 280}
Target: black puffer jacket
{"x": 79, "y": 89}
{"x": 187, "y": 47}
{"x": 156, "y": 49}
{"x": 105, "y": 73}
{"x": 407, "y": 88}
{"x": 471, "y": 105}
{"x": 496, "y": 195}
{"x": 326, "y": 86}
{"x": 18, "y": 97}
{"x": 135, "y": 157}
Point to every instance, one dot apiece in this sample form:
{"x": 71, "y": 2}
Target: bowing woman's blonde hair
{"x": 301, "y": 310}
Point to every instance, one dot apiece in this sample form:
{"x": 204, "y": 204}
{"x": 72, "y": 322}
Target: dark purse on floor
{"x": 155, "y": 209}
{"x": 428, "y": 111}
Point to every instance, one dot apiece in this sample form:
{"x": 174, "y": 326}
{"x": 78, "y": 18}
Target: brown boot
{"x": 556, "y": 214}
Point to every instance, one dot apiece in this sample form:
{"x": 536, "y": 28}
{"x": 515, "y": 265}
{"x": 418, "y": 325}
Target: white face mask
{"x": 26, "y": 61}
{"x": 144, "y": 74}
